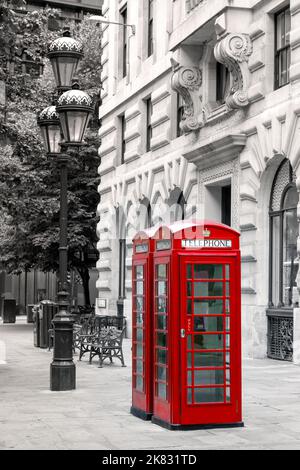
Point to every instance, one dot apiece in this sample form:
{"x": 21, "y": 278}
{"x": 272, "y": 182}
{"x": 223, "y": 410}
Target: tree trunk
{"x": 85, "y": 276}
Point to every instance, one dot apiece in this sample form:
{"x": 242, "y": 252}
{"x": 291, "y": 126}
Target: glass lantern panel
{"x": 64, "y": 69}
{"x": 64, "y": 126}
{"x": 77, "y": 123}
{"x": 54, "y": 133}
{"x": 44, "y": 134}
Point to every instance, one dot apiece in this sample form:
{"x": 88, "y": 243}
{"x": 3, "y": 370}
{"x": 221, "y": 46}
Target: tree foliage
{"x": 29, "y": 183}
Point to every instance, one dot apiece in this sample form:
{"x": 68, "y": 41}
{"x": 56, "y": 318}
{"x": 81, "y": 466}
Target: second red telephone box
{"x": 142, "y": 350}
{"x": 196, "y": 326}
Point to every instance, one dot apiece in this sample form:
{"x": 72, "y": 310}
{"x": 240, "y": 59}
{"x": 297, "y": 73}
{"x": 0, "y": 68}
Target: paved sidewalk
{"x": 96, "y": 415}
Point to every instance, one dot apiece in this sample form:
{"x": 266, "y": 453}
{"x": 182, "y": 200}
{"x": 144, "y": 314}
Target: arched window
{"x": 284, "y": 230}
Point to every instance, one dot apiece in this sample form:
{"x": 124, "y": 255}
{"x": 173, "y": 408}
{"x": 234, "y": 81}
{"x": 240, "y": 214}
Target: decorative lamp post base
{"x": 62, "y": 369}
{"x": 62, "y": 377}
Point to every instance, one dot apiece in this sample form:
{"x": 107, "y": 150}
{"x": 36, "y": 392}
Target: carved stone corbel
{"x": 187, "y": 82}
{"x": 234, "y": 51}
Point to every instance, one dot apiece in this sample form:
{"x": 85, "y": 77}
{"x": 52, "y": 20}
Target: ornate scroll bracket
{"x": 234, "y": 51}
{"x": 187, "y": 82}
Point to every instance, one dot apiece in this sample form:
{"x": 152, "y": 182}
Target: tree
{"x": 29, "y": 184}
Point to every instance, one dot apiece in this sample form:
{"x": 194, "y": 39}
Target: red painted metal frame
{"x": 161, "y": 407}
{"x": 175, "y": 412}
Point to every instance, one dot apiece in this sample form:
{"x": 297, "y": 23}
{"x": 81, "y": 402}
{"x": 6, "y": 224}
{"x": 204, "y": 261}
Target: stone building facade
{"x": 201, "y": 108}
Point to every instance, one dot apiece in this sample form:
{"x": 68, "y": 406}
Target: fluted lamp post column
{"x": 69, "y": 119}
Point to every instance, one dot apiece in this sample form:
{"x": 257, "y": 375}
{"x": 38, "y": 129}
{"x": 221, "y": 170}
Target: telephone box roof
{"x": 147, "y": 233}
{"x": 180, "y": 225}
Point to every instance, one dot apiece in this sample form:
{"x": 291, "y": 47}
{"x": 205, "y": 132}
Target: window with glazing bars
{"x": 282, "y": 47}
{"x": 149, "y": 125}
{"x": 123, "y": 14}
{"x": 150, "y": 27}
{"x": 123, "y": 142}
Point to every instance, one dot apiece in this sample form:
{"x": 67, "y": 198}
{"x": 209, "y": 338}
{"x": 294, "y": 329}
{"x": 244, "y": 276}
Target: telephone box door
{"x": 210, "y": 339}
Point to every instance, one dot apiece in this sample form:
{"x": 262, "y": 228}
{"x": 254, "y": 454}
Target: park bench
{"x": 94, "y": 329}
{"x": 107, "y": 344}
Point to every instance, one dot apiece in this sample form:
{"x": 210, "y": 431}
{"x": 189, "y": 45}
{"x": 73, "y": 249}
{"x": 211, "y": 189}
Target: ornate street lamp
{"x": 64, "y": 54}
{"x": 70, "y": 117}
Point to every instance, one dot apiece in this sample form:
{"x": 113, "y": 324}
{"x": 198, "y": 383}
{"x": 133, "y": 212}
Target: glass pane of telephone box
{"x": 162, "y": 305}
{"x": 208, "y": 289}
{"x": 139, "y": 319}
{"x": 139, "y": 272}
{"x": 208, "y": 395}
{"x": 209, "y": 271}
{"x": 208, "y": 324}
{"x": 206, "y": 307}
{"x": 162, "y": 288}
{"x": 139, "y": 350}
{"x": 140, "y": 288}
{"x": 139, "y": 304}
{"x": 209, "y": 359}
{"x": 139, "y": 334}
{"x": 161, "y": 340}
{"x": 161, "y": 373}
{"x": 139, "y": 383}
{"x": 208, "y": 377}
{"x": 161, "y": 322}
{"x": 139, "y": 367}
{"x": 208, "y": 342}
{"x": 161, "y": 271}
{"x": 161, "y": 356}
{"x": 162, "y": 391}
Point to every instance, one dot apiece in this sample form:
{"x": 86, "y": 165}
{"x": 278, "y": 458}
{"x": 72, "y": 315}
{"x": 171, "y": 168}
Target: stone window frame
{"x": 224, "y": 172}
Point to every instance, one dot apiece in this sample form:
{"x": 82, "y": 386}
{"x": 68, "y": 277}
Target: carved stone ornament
{"x": 187, "y": 82}
{"x": 234, "y": 51}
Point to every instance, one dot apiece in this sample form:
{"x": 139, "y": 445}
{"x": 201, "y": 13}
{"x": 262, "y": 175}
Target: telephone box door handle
{"x": 182, "y": 333}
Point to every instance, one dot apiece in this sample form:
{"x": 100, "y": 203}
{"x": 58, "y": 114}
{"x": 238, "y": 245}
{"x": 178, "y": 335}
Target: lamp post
{"x": 70, "y": 117}
{"x": 103, "y": 19}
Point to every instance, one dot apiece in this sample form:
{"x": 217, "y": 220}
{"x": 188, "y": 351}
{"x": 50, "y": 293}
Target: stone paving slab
{"x": 96, "y": 415}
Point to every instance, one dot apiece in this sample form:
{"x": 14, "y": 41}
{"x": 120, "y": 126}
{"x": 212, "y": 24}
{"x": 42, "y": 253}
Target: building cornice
{"x": 216, "y": 150}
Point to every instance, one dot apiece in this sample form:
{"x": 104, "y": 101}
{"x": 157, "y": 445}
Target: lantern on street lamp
{"x": 64, "y": 54}
{"x": 74, "y": 108}
{"x": 49, "y": 123}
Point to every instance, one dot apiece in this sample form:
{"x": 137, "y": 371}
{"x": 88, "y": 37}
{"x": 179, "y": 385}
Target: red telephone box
{"x": 196, "y": 326}
{"x": 142, "y": 350}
